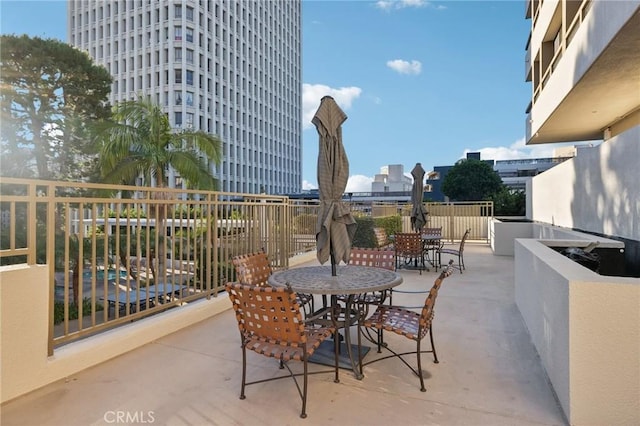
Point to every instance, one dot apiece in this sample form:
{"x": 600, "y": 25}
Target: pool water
{"x": 111, "y": 275}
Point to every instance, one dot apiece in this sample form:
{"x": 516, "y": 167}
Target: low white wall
{"x": 596, "y": 191}
{"x": 24, "y": 308}
{"x": 585, "y": 328}
{"x": 502, "y": 235}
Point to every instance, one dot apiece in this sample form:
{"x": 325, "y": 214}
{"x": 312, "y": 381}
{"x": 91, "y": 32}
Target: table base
{"x": 324, "y": 354}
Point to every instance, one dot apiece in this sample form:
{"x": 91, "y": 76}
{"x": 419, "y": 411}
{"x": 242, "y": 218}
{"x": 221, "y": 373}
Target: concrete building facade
{"x": 583, "y": 59}
{"x": 229, "y": 68}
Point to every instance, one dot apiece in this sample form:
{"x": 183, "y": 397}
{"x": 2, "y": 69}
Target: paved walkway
{"x": 489, "y": 373}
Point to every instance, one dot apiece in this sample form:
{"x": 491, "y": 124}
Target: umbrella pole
{"x": 333, "y": 264}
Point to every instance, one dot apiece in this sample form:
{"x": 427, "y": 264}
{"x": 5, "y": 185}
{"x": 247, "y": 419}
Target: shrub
{"x": 58, "y": 310}
{"x": 364, "y": 237}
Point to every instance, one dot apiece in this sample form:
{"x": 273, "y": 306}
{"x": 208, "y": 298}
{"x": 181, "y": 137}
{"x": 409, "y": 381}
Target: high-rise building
{"x": 230, "y": 68}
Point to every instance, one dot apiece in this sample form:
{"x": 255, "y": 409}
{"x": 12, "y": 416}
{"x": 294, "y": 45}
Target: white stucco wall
{"x": 585, "y": 328}
{"x": 24, "y": 362}
{"x": 600, "y": 26}
{"x": 598, "y": 191}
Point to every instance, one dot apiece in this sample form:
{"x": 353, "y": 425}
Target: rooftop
{"x": 489, "y": 372}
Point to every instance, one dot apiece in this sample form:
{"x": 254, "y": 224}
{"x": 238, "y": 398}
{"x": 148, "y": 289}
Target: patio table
{"x": 350, "y": 280}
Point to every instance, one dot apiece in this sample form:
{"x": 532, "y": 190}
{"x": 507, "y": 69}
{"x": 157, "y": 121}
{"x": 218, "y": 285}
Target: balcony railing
{"x": 120, "y": 253}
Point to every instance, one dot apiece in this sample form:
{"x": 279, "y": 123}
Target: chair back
{"x": 375, "y": 257}
{"x": 464, "y": 239}
{"x": 408, "y": 243}
{"x": 432, "y": 232}
{"x": 382, "y": 240}
{"x": 252, "y": 268}
{"x": 267, "y": 313}
{"x": 426, "y": 316}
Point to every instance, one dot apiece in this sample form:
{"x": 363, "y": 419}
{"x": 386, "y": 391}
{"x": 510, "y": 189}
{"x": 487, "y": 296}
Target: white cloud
{"x": 405, "y": 67}
{"x": 359, "y": 183}
{"x": 517, "y": 150}
{"x": 356, "y": 183}
{"x": 313, "y": 93}
{"x": 306, "y": 185}
{"x": 400, "y": 4}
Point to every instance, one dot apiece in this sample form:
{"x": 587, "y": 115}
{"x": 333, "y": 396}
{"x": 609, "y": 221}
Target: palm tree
{"x": 139, "y": 142}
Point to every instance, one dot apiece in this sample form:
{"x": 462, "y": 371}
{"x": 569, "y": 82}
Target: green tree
{"x": 50, "y": 93}
{"x": 139, "y": 142}
{"x": 471, "y": 180}
{"x": 508, "y": 202}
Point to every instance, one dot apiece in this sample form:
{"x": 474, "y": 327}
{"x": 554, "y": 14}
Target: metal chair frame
{"x": 459, "y": 252}
{"x": 270, "y": 324}
{"x": 409, "y": 248}
{"x": 407, "y": 323}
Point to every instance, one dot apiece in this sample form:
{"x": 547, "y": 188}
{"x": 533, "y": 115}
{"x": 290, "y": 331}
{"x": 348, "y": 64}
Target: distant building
{"x": 391, "y": 179}
{"x": 514, "y": 173}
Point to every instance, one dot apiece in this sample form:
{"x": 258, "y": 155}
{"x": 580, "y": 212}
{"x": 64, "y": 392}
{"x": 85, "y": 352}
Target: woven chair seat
{"x": 286, "y": 352}
{"x": 405, "y": 322}
{"x": 271, "y": 324}
{"x": 399, "y": 320}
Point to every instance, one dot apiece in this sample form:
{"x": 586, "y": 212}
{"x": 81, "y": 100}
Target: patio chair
{"x": 382, "y": 240}
{"x": 255, "y": 269}
{"x": 432, "y": 239}
{"x": 271, "y": 324}
{"x": 409, "y": 249}
{"x": 412, "y": 325}
{"x": 377, "y": 258}
{"x": 456, "y": 252}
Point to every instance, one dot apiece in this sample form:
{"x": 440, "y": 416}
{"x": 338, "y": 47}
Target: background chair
{"x": 409, "y": 249}
{"x": 255, "y": 269}
{"x": 271, "y": 324}
{"x": 376, "y": 258}
{"x": 456, "y": 252}
{"x": 407, "y": 323}
{"x": 432, "y": 238}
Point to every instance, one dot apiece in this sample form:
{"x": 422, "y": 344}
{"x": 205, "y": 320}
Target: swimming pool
{"x": 111, "y": 275}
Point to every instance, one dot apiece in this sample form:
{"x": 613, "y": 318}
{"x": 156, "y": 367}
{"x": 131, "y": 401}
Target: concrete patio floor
{"x": 489, "y": 372}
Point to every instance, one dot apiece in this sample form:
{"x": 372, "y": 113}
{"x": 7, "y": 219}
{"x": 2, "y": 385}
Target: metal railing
{"x": 120, "y": 253}
{"x": 454, "y": 217}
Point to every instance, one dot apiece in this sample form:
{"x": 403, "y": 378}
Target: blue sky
{"x": 420, "y": 81}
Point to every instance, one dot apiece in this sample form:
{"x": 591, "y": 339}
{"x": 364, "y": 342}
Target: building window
{"x": 177, "y": 31}
{"x": 177, "y": 54}
{"x": 190, "y": 78}
{"x": 189, "y": 35}
{"x": 189, "y": 99}
{"x": 178, "y": 76}
{"x": 178, "y": 119}
{"x": 189, "y": 56}
{"x": 178, "y": 97}
{"x": 177, "y": 11}
{"x": 189, "y": 13}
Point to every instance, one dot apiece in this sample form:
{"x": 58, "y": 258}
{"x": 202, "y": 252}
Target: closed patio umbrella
{"x": 418, "y": 212}
{"x": 336, "y": 227}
